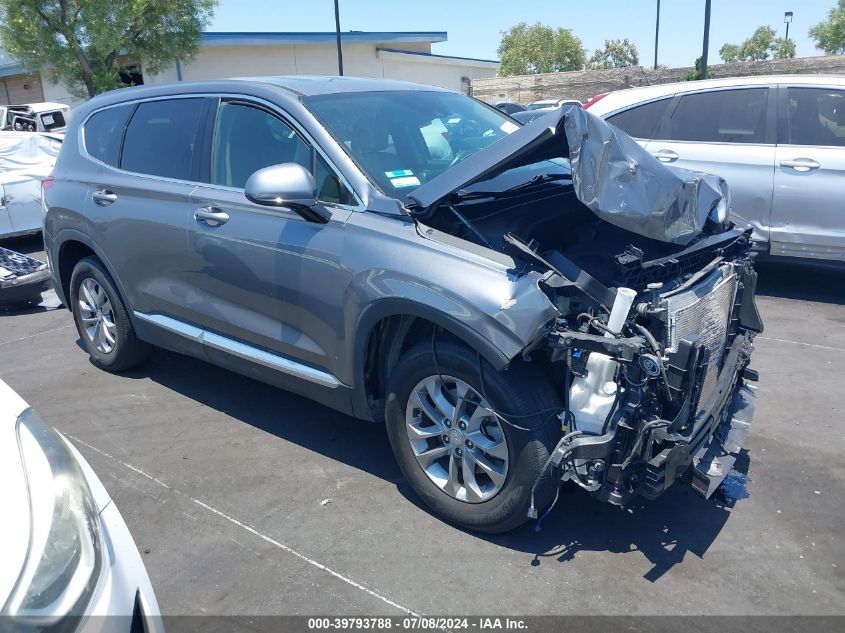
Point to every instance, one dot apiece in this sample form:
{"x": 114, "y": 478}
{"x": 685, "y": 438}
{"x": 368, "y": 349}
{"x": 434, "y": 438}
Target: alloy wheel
{"x": 97, "y": 315}
{"x": 457, "y": 439}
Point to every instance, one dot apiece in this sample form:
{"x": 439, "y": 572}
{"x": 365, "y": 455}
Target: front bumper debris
{"x": 22, "y": 279}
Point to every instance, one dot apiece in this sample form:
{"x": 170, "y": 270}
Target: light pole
{"x": 337, "y": 32}
{"x": 656, "y": 34}
{"x": 787, "y": 18}
{"x": 706, "y": 43}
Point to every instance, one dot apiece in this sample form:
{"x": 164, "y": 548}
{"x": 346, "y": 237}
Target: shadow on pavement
{"x": 802, "y": 282}
{"x": 663, "y": 531}
{"x": 31, "y": 245}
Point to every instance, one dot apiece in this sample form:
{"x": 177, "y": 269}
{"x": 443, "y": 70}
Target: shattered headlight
{"x": 722, "y": 210}
{"x": 64, "y": 557}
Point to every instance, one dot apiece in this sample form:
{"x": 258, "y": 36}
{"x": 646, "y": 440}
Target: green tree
{"x": 830, "y": 35}
{"x": 762, "y": 44}
{"x": 730, "y": 53}
{"x": 79, "y": 42}
{"x": 783, "y": 48}
{"x": 615, "y": 54}
{"x": 695, "y": 74}
{"x": 539, "y": 48}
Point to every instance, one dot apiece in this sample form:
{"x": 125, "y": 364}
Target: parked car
{"x": 529, "y": 115}
{"x": 25, "y": 160}
{"x": 35, "y": 117}
{"x": 67, "y": 554}
{"x": 502, "y": 304}
{"x": 777, "y": 140}
{"x": 548, "y": 104}
{"x": 509, "y": 107}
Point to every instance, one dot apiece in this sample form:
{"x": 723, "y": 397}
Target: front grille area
{"x": 705, "y": 311}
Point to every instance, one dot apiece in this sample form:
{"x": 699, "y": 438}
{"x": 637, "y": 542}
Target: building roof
{"x": 442, "y": 58}
{"x": 8, "y": 66}
{"x": 247, "y": 38}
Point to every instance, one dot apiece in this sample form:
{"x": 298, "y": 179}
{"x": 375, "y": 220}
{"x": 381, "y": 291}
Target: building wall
{"x": 58, "y": 92}
{"x": 21, "y": 89}
{"x": 584, "y": 84}
{"x": 360, "y": 60}
{"x": 217, "y": 62}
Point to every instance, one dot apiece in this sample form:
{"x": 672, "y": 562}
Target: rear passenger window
{"x": 104, "y": 131}
{"x": 816, "y": 117}
{"x": 161, "y": 138}
{"x": 722, "y": 116}
{"x": 641, "y": 121}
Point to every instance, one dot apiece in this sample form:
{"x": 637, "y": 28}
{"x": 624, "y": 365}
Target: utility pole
{"x": 337, "y": 32}
{"x": 706, "y": 44}
{"x": 657, "y": 34}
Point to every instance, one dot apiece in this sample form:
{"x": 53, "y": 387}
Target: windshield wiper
{"x": 539, "y": 179}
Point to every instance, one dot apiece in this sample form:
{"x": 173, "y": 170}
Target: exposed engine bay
{"x": 653, "y": 339}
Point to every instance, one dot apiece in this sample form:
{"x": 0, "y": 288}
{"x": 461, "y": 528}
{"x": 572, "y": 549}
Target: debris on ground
{"x": 22, "y": 280}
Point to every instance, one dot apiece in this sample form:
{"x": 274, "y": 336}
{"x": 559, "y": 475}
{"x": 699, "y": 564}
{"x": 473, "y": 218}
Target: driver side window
{"x": 248, "y": 138}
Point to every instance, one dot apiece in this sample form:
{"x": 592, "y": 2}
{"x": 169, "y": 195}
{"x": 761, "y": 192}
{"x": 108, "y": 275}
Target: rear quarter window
{"x": 641, "y": 121}
{"x": 161, "y": 138}
{"x": 103, "y": 133}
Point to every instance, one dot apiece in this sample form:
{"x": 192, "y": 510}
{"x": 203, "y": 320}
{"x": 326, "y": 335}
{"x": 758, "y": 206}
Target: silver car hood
{"x": 612, "y": 175}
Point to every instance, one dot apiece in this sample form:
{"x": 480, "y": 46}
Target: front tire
{"x": 101, "y": 319}
{"x": 472, "y": 467}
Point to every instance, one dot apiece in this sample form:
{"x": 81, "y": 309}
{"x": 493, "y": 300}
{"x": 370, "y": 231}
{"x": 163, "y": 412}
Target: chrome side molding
{"x": 241, "y": 350}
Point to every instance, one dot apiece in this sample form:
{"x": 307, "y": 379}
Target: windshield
{"x": 402, "y": 139}
{"x": 541, "y": 105}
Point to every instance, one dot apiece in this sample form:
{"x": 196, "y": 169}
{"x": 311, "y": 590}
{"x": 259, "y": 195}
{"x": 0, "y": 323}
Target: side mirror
{"x": 287, "y": 185}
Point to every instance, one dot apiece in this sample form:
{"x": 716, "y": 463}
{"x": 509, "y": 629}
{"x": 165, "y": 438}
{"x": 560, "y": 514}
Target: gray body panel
{"x": 267, "y": 293}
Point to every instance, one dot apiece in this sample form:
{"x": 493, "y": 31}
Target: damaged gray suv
{"x": 520, "y": 305}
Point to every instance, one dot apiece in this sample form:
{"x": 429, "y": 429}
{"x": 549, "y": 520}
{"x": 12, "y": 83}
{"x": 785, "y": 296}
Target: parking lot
{"x": 244, "y": 499}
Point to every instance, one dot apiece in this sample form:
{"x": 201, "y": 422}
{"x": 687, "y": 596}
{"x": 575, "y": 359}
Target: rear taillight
{"x": 47, "y": 183}
{"x": 595, "y": 99}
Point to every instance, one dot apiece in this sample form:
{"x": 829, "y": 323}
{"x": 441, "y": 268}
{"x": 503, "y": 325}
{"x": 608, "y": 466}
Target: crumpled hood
{"x": 612, "y": 175}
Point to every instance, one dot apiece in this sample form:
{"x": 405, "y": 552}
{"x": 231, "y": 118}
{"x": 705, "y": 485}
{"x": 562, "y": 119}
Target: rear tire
{"x": 102, "y": 320}
{"x": 475, "y": 470}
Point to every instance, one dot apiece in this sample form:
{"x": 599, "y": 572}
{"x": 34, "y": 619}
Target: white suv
{"x": 779, "y": 141}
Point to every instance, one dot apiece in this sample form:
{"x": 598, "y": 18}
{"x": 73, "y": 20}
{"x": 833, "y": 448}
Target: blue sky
{"x": 474, "y": 26}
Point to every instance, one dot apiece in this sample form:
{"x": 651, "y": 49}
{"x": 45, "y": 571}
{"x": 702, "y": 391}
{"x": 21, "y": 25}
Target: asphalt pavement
{"x": 244, "y": 499}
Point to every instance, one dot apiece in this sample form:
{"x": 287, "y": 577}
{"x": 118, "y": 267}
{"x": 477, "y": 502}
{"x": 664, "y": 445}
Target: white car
{"x": 778, "y": 141}
{"x": 549, "y": 104}
{"x": 35, "y": 117}
{"x": 65, "y": 553}
{"x": 26, "y": 158}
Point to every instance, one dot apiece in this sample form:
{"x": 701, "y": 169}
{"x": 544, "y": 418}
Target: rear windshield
{"x": 53, "y": 120}
{"x": 402, "y": 139}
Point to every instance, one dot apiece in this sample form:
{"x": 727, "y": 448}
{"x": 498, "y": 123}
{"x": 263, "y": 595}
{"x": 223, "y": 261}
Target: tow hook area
{"x": 714, "y": 461}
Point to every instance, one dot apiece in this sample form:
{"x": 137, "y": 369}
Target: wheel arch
{"x": 69, "y": 247}
{"x": 387, "y": 328}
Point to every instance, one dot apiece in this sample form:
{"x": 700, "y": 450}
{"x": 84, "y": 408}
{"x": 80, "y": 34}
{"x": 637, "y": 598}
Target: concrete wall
{"x": 584, "y": 84}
